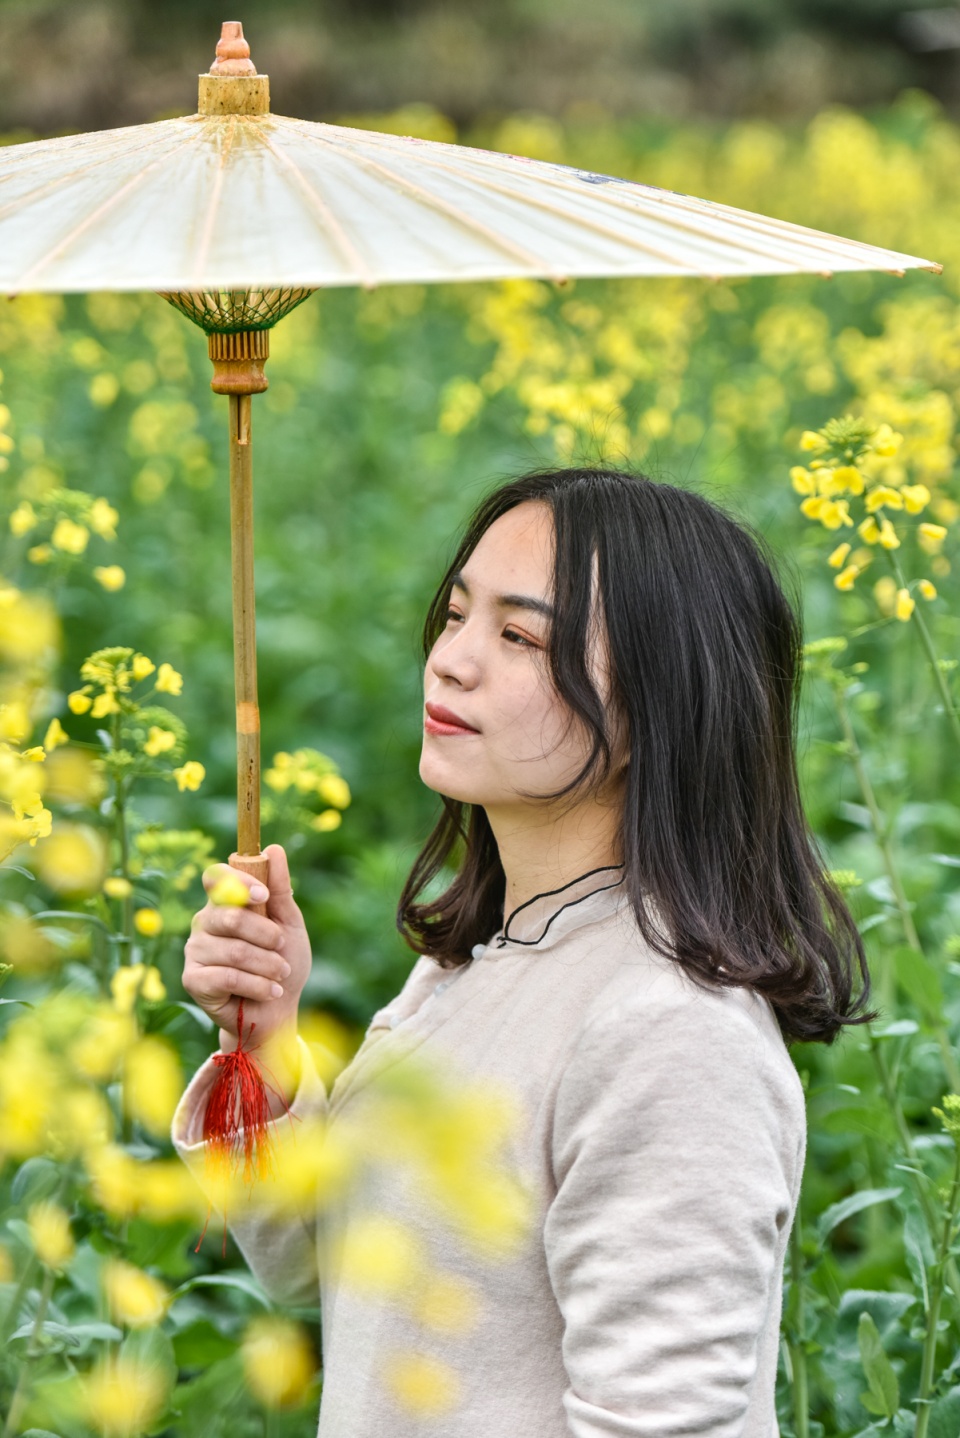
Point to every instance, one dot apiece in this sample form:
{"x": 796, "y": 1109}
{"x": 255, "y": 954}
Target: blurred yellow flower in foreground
{"x": 103, "y": 1040}
{"x": 78, "y": 702}
{"x": 49, "y": 1227}
{"x": 422, "y": 1384}
{"x": 117, "y": 887}
{"x": 152, "y": 1083}
{"x": 135, "y": 1298}
{"x": 102, "y": 519}
{"x": 71, "y": 860}
{"x": 447, "y": 1303}
{"x": 148, "y": 922}
{"x": 278, "y": 1361}
{"x": 159, "y": 1190}
{"x": 131, "y": 980}
{"x": 122, "y": 1396}
{"x": 376, "y": 1254}
{"x": 230, "y": 891}
{"x": 190, "y": 775}
{"x": 55, "y": 735}
{"x": 327, "y": 821}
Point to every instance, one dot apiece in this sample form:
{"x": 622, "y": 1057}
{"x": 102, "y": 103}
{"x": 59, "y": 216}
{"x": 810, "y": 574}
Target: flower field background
{"x": 821, "y": 411}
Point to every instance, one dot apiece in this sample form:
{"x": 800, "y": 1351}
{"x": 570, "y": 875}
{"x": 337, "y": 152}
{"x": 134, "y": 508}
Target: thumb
{"x": 281, "y": 905}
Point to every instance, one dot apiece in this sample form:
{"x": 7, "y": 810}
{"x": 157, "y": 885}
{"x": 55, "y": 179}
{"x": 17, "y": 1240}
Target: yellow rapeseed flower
{"x": 141, "y": 666}
{"x": 811, "y": 441}
{"x": 122, "y": 1396}
{"x": 104, "y": 704}
{"x": 158, "y": 741}
{"x": 168, "y": 680}
{"x": 812, "y": 506}
{"x": 72, "y": 859}
{"x": 930, "y": 537}
{"x": 70, "y": 537}
{"x": 49, "y": 1227}
{"x": 846, "y": 577}
{"x": 422, "y": 1384}
{"x": 110, "y": 576}
{"x": 915, "y": 497}
{"x": 55, "y": 735}
{"x": 152, "y": 1083}
{"x": 847, "y": 477}
{"x": 802, "y": 480}
{"x": 834, "y": 513}
{"x": 23, "y": 519}
{"x": 885, "y": 593}
{"x": 886, "y": 441}
{"x": 888, "y": 535}
{"x": 190, "y": 775}
{"x": 278, "y": 1361}
{"x": 117, "y": 887}
{"x": 79, "y": 701}
{"x": 40, "y": 554}
{"x": 148, "y": 922}
{"x": 135, "y": 1299}
{"x": 103, "y": 390}
{"x": 231, "y": 891}
{"x": 334, "y": 790}
{"x": 869, "y": 531}
{"x": 883, "y": 496}
{"x": 102, "y": 519}
{"x": 927, "y": 589}
{"x": 905, "y": 604}
{"x": 326, "y": 821}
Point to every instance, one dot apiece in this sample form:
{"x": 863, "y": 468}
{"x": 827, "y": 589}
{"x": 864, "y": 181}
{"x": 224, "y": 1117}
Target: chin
{"x": 443, "y": 779}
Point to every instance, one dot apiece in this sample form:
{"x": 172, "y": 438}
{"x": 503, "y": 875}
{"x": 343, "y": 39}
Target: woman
{"x": 639, "y": 921}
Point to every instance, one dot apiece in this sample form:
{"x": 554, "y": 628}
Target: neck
{"x": 542, "y": 850}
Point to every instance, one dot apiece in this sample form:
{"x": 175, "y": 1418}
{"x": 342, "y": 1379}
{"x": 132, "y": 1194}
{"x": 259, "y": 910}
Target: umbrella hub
{"x": 232, "y": 85}
{"x": 237, "y": 325}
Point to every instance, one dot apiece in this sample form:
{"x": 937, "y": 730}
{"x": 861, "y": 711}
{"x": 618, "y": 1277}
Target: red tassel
{"x": 236, "y": 1121}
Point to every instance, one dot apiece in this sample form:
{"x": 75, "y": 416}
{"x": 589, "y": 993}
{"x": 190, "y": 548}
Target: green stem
{"x": 881, "y": 833}
{"x": 928, "y": 1364}
{"x": 795, "y": 1342}
{"x": 13, "y": 1412}
{"x": 926, "y": 640}
{"x": 9, "y": 1320}
{"x": 120, "y": 821}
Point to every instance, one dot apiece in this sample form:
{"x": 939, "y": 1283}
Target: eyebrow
{"x": 509, "y": 601}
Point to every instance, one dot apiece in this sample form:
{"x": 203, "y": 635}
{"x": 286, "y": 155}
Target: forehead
{"x": 516, "y": 551}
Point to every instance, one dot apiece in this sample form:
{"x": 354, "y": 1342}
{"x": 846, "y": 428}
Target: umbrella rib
{"x": 463, "y": 220}
{"x": 56, "y": 183}
{"x": 217, "y": 190}
{"x": 325, "y": 214}
{"x": 813, "y": 238}
{"x": 85, "y": 224}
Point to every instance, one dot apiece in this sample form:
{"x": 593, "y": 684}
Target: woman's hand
{"x": 264, "y": 959}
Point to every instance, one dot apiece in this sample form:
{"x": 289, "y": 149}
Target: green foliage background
{"x": 388, "y": 416}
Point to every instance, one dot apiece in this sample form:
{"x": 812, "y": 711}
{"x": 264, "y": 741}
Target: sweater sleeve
{"x": 278, "y": 1242}
{"x": 678, "y": 1150}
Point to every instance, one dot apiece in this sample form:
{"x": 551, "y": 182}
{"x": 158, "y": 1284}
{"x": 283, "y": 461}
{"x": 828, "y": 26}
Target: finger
{"x": 281, "y": 904}
{"x": 215, "y": 874}
{"x": 211, "y": 984}
{"x": 231, "y": 922}
{"x": 238, "y": 954}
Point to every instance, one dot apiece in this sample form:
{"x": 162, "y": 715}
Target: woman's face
{"x": 489, "y": 668}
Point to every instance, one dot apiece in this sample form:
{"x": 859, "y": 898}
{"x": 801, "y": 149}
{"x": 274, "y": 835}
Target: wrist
{"x": 278, "y": 1057}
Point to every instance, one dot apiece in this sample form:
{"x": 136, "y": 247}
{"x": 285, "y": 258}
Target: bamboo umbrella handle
{"x": 248, "y": 858}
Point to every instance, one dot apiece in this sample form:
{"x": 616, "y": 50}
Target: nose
{"x": 455, "y": 657}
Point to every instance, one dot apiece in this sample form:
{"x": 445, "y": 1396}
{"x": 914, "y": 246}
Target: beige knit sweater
{"x": 663, "y": 1139}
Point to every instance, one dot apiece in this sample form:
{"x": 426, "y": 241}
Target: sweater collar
{"x": 547, "y": 918}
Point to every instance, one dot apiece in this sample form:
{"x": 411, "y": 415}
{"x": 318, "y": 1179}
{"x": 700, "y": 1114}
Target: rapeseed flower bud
{"x": 905, "y": 604}
{"x": 949, "y": 1115}
{"x": 927, "y": 589}
{"x": 845, "y": 579}
{"x": 49, "y": 1227}
{"x": 168, "y": 680}
{"x": 838, "y": 556}
{"x": 135, "y": 1299}
{"x": 111, "y": 576}
{"x": 278, "y": 1361}
{"x": 190, "y": 775}
{"x": 148, "y": 922}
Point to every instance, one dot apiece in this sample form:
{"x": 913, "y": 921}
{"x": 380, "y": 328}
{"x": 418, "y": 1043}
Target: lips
{"x": 440, "y": 714}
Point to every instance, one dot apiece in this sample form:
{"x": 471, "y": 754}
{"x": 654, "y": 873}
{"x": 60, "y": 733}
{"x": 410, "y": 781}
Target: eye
{"x": 511, "y": 634}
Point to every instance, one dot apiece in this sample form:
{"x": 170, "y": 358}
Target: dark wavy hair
{"x": 705, "y": 655}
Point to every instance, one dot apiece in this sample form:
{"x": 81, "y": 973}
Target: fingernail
{"x": 276, "y": 990}
{"x": 285, "y": 969}
{"x": 258, "y": 893}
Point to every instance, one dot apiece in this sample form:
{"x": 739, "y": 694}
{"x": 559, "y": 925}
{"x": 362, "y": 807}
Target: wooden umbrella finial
{"x": 233, "y": 52}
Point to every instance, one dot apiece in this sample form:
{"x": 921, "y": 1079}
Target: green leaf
{"x": 920, "y": 981}
{"x": 900, "y": 1029}
{"x": 60, "y": 1336}
{"x": 856, "y": 1203}
{"x": 200, "y": 1344}
{"x": 945, "y": 1416}
{"x": 883, "y": 1397}
{"x": 242, "y": 1281}
{"x": 36, "y": 1178}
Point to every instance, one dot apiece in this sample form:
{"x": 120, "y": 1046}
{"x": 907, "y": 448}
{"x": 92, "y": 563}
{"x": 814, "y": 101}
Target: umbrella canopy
{"x": 222, "y": 201}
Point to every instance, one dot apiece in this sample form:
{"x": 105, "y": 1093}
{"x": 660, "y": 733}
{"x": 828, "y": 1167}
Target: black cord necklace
{"x": 503, "y": 937}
